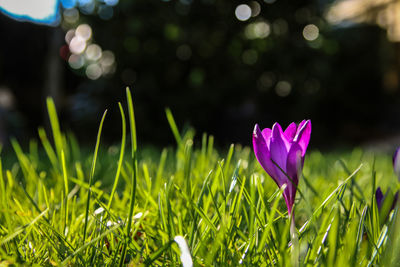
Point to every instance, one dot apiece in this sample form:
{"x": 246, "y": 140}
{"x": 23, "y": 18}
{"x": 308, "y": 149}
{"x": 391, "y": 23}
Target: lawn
{"x": 126, "y": 204}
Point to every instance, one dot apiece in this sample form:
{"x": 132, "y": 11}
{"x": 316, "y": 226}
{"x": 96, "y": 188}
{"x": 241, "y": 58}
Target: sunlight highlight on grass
{"x": 64, "y": 205}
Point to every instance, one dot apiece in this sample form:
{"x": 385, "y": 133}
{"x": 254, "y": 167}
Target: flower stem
{"x": 295, "y": 241}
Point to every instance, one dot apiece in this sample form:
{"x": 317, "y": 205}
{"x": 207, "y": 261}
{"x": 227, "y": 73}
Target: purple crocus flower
{"x": 396, "y": 162}
{"x": 281, "y": 154}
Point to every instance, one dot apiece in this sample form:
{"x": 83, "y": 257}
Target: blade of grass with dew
{"x": 4, "y": 199}
{"x": 170, "y": 224}
{"x": 66, "y": 189}
{"x": 228, "y": 158}
{"x": 173, "y": 126}
{"x": 149, "y": 261}
{"x": 22, "y": 228}
{"x": 381, "y": 239}
{"x": 199, "y": 204}
{"x": 121, "y": 155}
{"x": 96, "y": 150}
{"x": 347, "y": 258}
{"x": 333, "y": 238}
{"x": 48, "y": 148}
{"x": 134, "y": 172}
{"x": 199, "y": 210}
{"x": 55, "y": 127}
{"x": 161, "y": 165}
{"x": 271, "y": 220}
{"x": 27, "y": 168}
{"x": 391, "y": 255}
{"x": 85, "y": 245}
{"x": 332, "y": 194}
{"x": 322, "y": 234}
{"x": 187, "y": 167}
{"x": 373, "y": 224}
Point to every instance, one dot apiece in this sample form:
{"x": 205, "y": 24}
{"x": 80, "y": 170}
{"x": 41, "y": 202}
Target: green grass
{"x": 61, "y": 206}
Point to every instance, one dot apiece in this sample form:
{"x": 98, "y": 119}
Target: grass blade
{"x": 134, "y": 172}
{"x": 121, "y": 155}
{"x": 96, "y": 150}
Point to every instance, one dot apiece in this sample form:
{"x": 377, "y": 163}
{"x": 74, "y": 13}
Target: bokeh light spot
{"x": 317, "y": 43}
{"x": 283, "y": 88}
{"x": 69, "y": 35}
{"x": 7, "y": 99}
{"x": 44, "y": 11}
{"x": 109, "y": 70}
{"x": 84, "y": 2}
{"x": 310, "y": 32}
{"x": 256, "y": 30}
{"x": 243, "y": 12}
{"x": 87, "y": 6}
{"x": 64, "y": 52}
{"x": 77, "y": 45}
{"x": 71, "y": 15}
{"x": 68, "y": 3}
{"x": 255, "y": 8}
{"x": 76, "y": 61}
{"x": 196, "y": 77}
{"x": 172, "y": 32}
{"x": 107, "y": 62}
{"x": 93, "y": 71}
{"x": 107, "y": 58}
{"x": 84, "y": 31}
{"x": 111, "y": 2}
{"x": 93, "y": 52}
{"x": 105, "y": 12}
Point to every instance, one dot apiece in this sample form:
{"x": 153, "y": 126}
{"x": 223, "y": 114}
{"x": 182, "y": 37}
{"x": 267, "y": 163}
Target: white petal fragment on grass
{"x": 138, "y": 215}
{"x": 186, "y": 258}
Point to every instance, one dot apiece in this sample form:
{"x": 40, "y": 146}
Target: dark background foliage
{"x": 195, "y": 57}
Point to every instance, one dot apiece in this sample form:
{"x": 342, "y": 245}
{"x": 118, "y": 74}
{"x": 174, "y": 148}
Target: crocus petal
{"x": 303, "y": 136}
{"x": 301, "y": 124}
{"x": 262, "y": 152}
{"x": 290, "y": 131}
{"x": 294, "y": 166}
{"x": 263, "y": 156}
{"x": 279, "y": 148}
{"x": 259, "y": 144}
{"x": 267, "y": 134}
{"x": 294, "y": 163}
{"x": 396, "y": 162}
{"x": 379, "y": 197}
